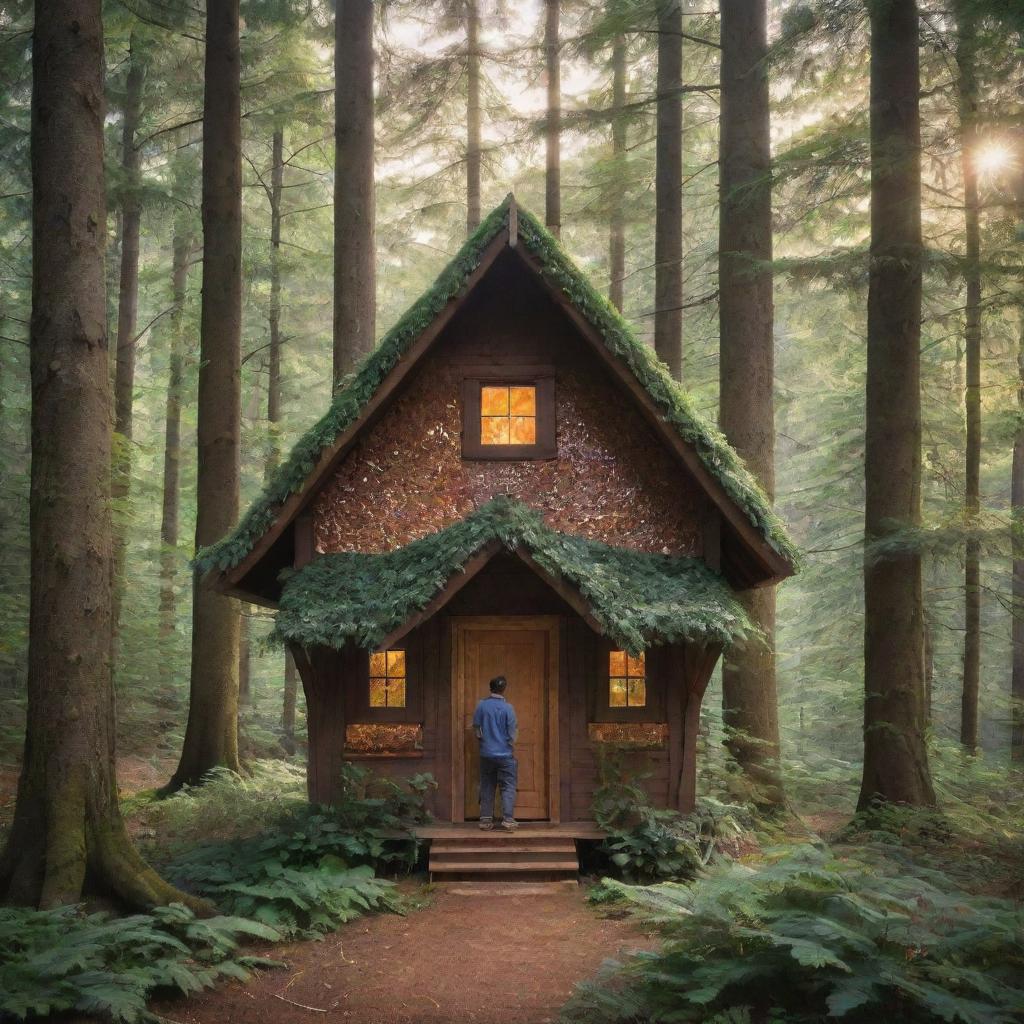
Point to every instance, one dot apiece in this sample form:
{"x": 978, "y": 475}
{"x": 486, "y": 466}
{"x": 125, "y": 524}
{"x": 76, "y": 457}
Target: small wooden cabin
{"x": 511, "y": 484}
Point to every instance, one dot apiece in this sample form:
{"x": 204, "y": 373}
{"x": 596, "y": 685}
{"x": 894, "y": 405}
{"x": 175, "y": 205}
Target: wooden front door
{"x": 524, "y": 651}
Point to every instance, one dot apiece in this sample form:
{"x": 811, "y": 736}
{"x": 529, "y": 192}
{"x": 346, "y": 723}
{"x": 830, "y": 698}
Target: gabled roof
{"x": 714, "y": 464}
{"x": 634, "y": 598}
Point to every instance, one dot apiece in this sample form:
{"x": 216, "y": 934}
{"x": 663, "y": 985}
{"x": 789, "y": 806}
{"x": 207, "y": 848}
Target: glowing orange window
{"x": 387, "y": 679}
{"x": 508, "y": 414}
{"x": 627, "y": 680}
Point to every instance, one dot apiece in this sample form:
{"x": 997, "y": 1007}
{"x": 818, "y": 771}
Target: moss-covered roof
{"x": 638, "y": 599}
{"x": 710, "y": 445}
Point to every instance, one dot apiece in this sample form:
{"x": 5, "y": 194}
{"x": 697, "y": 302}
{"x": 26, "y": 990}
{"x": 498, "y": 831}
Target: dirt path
{"x": 480, "y": 959}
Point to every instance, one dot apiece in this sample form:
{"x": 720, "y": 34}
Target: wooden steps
{"x": 503, "y": 857}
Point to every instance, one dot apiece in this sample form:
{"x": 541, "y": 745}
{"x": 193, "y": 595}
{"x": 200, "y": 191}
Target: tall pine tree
{"x": 747, "y": 359}
{"x": 895, "y": 755}
{"x": 211, "y": 735}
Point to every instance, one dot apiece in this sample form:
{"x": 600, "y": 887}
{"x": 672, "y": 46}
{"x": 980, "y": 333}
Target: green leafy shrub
{"x": 646, "y": 843}
{"x": 806, "y": 938}
{"x": 368, "y": 803}
{"x": 60, "y": 960}
{"x": 314, "y": 869}
{"x": 254, "y": 878}
{"x": 226, "y": 804}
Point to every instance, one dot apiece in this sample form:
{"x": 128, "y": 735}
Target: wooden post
{"x": 698, "y": 662}
{"x": 323, "y": 672}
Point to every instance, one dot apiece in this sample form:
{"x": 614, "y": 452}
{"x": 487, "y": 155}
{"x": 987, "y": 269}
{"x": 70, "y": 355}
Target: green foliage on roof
{"x": 673, "y": 402}
{"x": 710, "y": 445}
{"x": 350, "y": 400}
{"x": 639, "y": 599}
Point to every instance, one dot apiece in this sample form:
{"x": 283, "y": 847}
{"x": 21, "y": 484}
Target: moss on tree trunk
{"x": 68, "y": 835}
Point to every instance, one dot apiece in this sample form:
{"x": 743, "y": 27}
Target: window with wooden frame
{"x": 387, "y": 679}
{"x": 509, "y": 416}
{"x": 627, "y": 680}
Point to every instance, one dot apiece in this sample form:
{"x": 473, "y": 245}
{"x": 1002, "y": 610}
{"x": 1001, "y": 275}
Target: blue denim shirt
{"x": 495, "y": 724}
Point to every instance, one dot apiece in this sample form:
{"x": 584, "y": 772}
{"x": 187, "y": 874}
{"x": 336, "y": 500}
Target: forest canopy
{"x": 786, "y": 240}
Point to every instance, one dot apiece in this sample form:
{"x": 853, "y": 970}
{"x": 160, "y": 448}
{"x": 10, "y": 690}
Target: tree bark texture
{"x": 968, "y": 90}
{"x": 355, "y": 258}
{"x": 1017, "y": 534}
{"x": 472, "y": 116}
{"x": 895, "y": 755}
{"x": 211, "y": 734}
{"x": 553, "y": 123}
{"x": 127, "y": 322}
{"x": 747, "y": 359}
{"x": 182, "y": 246}
{"x": 68, "y": 835}
{"x": 274, "y": 398}
{"x": 244, "y": 660}
{"x": 274, "y": 311}
{"x": 616, "y": 214}
{"x": 668, "y": 189}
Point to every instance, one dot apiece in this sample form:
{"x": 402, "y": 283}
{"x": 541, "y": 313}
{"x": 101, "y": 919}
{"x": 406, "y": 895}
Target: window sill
{"x": 382, "y": 755}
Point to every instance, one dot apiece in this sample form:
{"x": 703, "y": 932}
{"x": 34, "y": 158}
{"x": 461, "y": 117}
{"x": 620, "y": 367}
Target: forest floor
{"x": 480, "y": 957}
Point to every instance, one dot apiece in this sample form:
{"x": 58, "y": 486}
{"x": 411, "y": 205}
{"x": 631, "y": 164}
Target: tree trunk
{"x": 968, "y": 89}
{"x": 68, "y": 834}
{"x": 929, "y": 665}
{"x": 1017, "y": 535}
{"x": 553, "y": 123}
{"x": 127, "y": 320}
{"x": 172, "y": 457}
{"x": 211, "y": 735}
{"x": 244, "y": 660}
{"x": 274, "y": 399}
{"x": 291, "y": 687}
{"x": 746, "y": 363}
{"x": 895, "y": 754}
{"x": 472, "y": 116}
{"x": 668, "y": 189}
{"x": 274, "y": 312}
{"x": 616, "y": 216}
{"x": 354, "y": 247}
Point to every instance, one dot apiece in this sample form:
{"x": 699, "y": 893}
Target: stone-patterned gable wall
{"x": 405, "y": 478}
{"x": 612, "y": 480}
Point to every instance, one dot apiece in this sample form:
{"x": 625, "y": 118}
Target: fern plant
{"x": 645, "y": 843}
{"x": 60, "y": 960}
{"x": 314, "y": 869}
{"x": 807, "y": 939}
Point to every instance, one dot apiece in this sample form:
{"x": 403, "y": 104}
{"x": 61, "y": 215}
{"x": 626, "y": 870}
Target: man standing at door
{"x": 494, "y": 723}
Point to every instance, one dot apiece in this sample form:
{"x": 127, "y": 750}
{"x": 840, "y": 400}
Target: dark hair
{"x": 498, "y": 684}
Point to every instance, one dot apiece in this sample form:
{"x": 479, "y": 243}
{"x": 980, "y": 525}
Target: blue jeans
{"x": 502, "y": 773}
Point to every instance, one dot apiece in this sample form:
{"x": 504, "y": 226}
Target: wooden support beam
{"x": 324, "y": 673}
{"x": 698, "y": 662}
{"x": 304, "y": 547}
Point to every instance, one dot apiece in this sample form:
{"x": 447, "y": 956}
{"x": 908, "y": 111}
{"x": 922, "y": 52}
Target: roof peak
{"x": 709, "y": 454}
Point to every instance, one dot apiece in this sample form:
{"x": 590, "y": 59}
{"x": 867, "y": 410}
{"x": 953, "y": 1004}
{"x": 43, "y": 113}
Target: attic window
{"x": 509, "y": 417}
{"x": 387, "y": 679}
{"x": 627, "y": 680}
{"x": 508, "y": 414}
